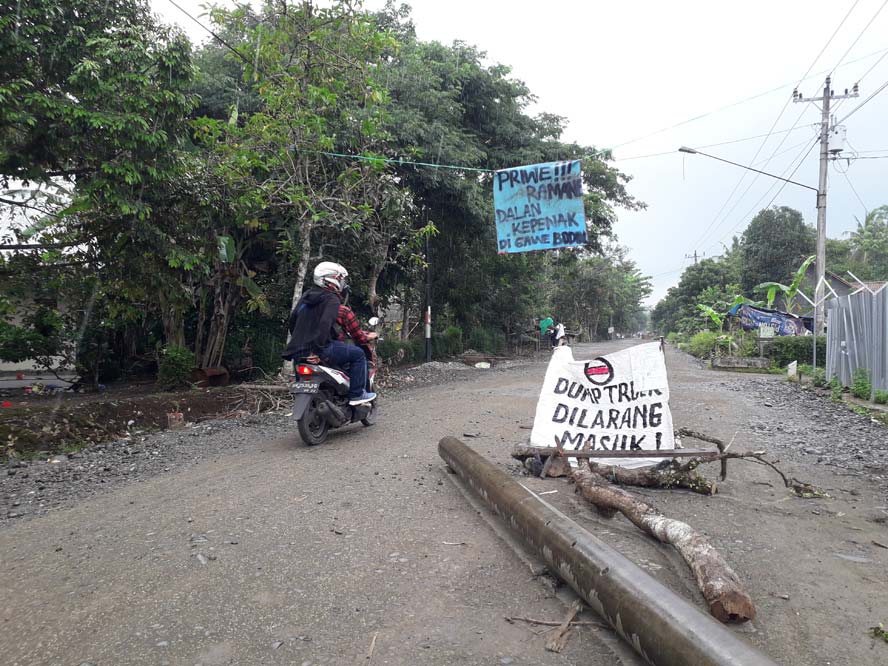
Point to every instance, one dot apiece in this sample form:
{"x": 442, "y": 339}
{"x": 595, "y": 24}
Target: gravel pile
{"x": 33, "y": 487}
{"x": 792, "y": 417}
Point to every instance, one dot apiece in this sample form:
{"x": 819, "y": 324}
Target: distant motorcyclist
{"x": 318, "y": 324}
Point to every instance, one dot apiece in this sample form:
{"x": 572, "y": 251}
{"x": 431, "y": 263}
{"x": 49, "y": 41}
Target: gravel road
{"x": 232, "y": 543}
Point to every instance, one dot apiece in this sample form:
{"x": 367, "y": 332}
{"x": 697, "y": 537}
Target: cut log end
{"x": 734, "y": 607}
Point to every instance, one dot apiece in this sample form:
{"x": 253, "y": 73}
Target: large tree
{"x": 773, "y": 246}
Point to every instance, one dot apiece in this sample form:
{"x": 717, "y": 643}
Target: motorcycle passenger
{"x": 317, "y": 324}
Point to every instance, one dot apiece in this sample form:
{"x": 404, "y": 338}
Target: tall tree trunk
{"x": 302, "y": 268}
{"x": 225, "y": 298}
{"x": 199, "y": 335}
{"x": 372, "y": 294}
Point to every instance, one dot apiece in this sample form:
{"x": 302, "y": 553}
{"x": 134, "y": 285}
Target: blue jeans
{"x": 351, "y": 360}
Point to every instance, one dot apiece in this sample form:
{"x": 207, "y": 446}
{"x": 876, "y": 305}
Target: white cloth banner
{"x": 614, "y": 402}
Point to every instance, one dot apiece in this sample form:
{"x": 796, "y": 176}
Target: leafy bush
{"x": 818, "y": 377}
{"x": 881, "y": 397}
{"x": 485, "y": 340}
{"x": 675, "y": 338}
{"x": 860, "y": 384}
{"x": 703, "y": 344}
{"x": 450, "y": 343}
{"x": 785, "y": 349}
{"x": 395, "y": 352}
{"x": 836, "y": 389}
{"x": 746, "y": 345}
{"x": 175, "y": 366}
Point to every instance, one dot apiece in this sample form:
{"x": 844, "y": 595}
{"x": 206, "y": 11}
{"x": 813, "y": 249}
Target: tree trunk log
{"x": 721, "y": 587}
{"x": 667, "y": 474}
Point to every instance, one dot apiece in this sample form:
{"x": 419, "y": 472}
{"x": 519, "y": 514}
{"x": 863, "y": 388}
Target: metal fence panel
{"x": 857, "y": 337}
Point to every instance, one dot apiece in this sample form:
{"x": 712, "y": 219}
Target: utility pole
{"x": 428, "y": 309}
{"x": 694, "y": 256}
{"x": 820, "y": 261}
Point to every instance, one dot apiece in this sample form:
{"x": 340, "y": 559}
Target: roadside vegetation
{"x": 164, "y": 201}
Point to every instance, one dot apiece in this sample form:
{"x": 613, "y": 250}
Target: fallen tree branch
{"x": 667, "y": 474}
{"x": 548, "y": 623}
{"x": 720, "y": 586}
{"x": 558, "y": 637}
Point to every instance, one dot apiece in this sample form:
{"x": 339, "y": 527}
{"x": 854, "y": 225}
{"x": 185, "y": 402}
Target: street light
{"x": 693, "y": 151}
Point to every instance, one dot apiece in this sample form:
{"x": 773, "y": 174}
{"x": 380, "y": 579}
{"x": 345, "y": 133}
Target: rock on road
{"x": 274, "y": 553}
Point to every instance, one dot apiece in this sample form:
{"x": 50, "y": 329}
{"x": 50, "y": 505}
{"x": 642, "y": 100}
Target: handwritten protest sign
{"x": 614, "y": 402}
{"x": 539, "y": 207}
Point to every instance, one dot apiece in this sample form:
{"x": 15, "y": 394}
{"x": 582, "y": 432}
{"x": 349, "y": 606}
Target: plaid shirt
{"x": 349, "y": 324}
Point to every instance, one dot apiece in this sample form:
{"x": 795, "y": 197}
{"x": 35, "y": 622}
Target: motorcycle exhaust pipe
{"x": 331, "y": 414}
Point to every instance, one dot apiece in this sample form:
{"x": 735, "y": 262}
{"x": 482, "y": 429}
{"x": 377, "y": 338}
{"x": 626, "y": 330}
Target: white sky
{"x": 621, "y": 70}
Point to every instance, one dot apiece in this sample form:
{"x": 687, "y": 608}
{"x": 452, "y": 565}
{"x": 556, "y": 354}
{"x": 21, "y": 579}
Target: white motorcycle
{"x": 321, "y": 397}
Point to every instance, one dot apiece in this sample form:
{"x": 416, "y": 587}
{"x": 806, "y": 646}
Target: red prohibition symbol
{"x": 599, "y": 371}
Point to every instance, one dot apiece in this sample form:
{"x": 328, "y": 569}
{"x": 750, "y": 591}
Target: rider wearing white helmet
{"x": 313, "y": 329}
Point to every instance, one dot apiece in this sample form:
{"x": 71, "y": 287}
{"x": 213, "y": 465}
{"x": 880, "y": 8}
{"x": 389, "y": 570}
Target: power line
{"x": 853, "y": 189}
{"x": 858, "y": 107}
{"x": 708, "y": 145}
{"x": 712, "y": 225}
{"x": 768, "y": 135}
{"x": 784, "y": 175}
{"x": 865, "y": 28}
{"x": 882, "y": 52}
{"x": 873, "y": 66}
{"x": 215, "y": 36}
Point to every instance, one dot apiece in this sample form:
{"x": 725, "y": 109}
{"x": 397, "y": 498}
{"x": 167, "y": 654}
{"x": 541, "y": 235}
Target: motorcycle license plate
{"x": 304, "y": 387}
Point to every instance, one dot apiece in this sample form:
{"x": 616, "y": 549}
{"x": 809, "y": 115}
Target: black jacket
{"x": 312, "y": 323}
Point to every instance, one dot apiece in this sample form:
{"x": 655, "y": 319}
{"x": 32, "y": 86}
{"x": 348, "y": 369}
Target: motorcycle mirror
{"x": 374, "y": 321}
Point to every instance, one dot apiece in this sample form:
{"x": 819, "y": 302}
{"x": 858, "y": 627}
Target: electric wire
{"x": 864, "y": 102}
{"x": 757, "y": 204}
{"x": 862, "y": 32}
{"x": 767, "y": 136}
{"x": 854, "y": 189}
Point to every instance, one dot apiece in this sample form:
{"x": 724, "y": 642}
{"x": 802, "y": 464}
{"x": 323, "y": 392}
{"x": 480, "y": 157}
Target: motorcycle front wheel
{"x": 313, "y": 427}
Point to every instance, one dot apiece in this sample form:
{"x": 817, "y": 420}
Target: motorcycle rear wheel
{"x": 313, "y": 427}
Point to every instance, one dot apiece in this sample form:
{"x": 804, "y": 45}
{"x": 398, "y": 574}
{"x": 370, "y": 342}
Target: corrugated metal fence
{"x": 857, "y": 337}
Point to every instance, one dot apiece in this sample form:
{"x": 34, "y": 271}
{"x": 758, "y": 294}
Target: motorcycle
{"x": 320, "y": 396}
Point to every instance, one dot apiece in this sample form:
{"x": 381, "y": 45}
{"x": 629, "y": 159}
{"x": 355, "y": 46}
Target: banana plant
{"x": 771, "y": 289}
{"x": 715, "y": 316}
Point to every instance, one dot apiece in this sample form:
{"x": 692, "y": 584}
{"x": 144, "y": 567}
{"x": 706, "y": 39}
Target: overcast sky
{"x": 619, "y": 71}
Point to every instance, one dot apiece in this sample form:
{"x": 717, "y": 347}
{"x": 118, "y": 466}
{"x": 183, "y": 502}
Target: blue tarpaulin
{"x": 752, "y": 318}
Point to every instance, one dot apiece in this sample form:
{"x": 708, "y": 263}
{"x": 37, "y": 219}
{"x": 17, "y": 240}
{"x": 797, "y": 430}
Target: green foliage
{"x": 592, "y": 293}
{"x": 175, "y": 366}
{"x": 878, "y": 632}
{"x": 486, "y": 340}
{"x": 788, "y": 292}
{"x": 675, "y": 338}
{"x": 192, "y": 192}
{"x": 774, "y": 243}
{"x": 703, "y": 344}
{"x": 860, "y": 384}
{"x": 818, "y": 377}
{"x": 860, "y": 410}
{"x": 711, "y": 283}
{"x": 448, "y": 344}
{"x": 880, "y": 397}
{"x": 836, "y": 389}
{"x": 783, "y": 350}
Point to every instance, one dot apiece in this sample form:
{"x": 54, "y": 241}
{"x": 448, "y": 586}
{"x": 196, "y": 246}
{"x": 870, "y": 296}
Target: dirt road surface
{"x": 253, "y": 549}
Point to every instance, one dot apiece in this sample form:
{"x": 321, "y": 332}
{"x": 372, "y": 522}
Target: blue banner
{"x": 752, "y": 318}
{"x": 539, "y": 207}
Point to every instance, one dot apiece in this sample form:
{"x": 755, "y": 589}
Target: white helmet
{"x": 330, "y": 275}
